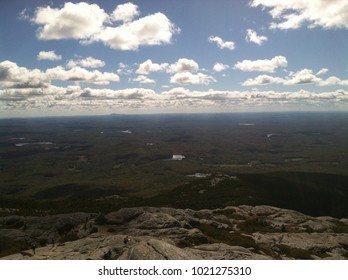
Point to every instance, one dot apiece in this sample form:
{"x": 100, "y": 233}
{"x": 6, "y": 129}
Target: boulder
{"x": 244, "y": 232}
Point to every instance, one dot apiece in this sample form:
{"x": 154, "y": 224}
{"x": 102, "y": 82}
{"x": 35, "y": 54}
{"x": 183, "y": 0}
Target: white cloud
{"x": 49, "y": 55}
{"x": 322, "y": 71}
{"x": 292, "y": 14}
{"x": 88, "y": 62}
{"x": 218, "y": 67}
{"x": 151, "y": 30}
{"x": 125, "y": 12}
{"x": 140, "y": 94}
{"x": 263, "y": 80}
{"x": 333, "y": 81}
{"x": 75, "y": 99}
{"x": 254, "y": 38}
{"x": 89, "y": 23}
{"x": 11, "y": 75}
{"x": 124, "y": 69}
{"x": 186, "y": 78}
{"x": 302, "y": 77}
{"x": 142, "y": 79}
{"x": 221, "y": 43}
{"x": 182, "y": 70}
{"x": 74, "y": 21}
{"x": 182, "y": 98}
{"x": 30, "y": 90}
{"x": 20, "y": 94}
{"x": 183, "y": 65}
{"x": 24, "y": 15}
{"x": 79, "y": 74}
{"x": 148, "y": 66}
{"x": 265, "y": 65}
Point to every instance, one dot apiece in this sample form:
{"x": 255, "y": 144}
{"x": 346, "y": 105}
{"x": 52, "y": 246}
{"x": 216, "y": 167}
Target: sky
{"x": 165, "y": 56}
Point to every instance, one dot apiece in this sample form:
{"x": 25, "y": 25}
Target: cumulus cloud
{"x": 14, "y": 76}
{"x": 72, "y": 21}
{"x": 89, "y": 23}
{"x": 125, "y": 12}
{"x": 184, "y": 71}
{"x": 142, "y": 79}
{"x": 75, "y": 98}
{"x": 28, "y": 90}
{"x": 331, "y": 81}
{"x": 254, "y": 38}
{"x": 293, "y": 14}
{"x": 265, "y": 65}
{"x": 221, "y": 43}
{"x": 218, "y": 67}
{"x": 124, "y": 69}
{"x": 183, "y": 65}
{"x": 186, "y": 78}
{"x": 88, "y": 62}
{"x": 151, "y": 30}
{"x": 78, "y": 74}
{"x": 20, "y": 94}
{"x": 302, "y": 77}
{"x": 322, "y": 71}
{"x": 124, "y": 94}
{"x": 181, "y": 98}
{"x": 141, "y": 100}
{"x": 24, "y": 15}
{"x": 148, "y": 66}
{"x": 48, "y": 55}
{"x": 263, "y": 80}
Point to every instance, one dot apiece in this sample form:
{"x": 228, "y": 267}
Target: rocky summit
{"x": 243, "y": 232}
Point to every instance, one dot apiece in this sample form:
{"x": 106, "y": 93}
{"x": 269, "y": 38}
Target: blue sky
{"x": 159, "y": 56}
